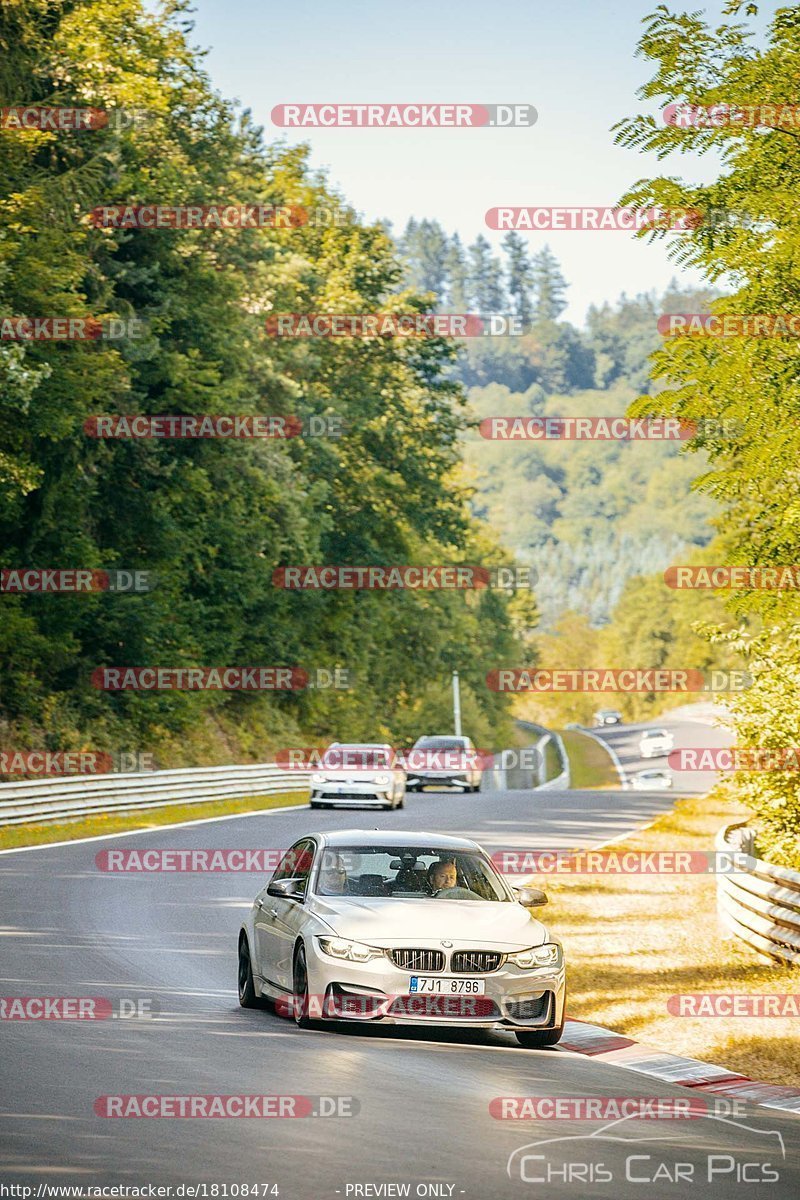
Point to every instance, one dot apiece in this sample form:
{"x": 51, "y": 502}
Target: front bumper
{"x": 446, "y": 778}
{"x": 377, "y": 992}
{"x": 343, "y": 792}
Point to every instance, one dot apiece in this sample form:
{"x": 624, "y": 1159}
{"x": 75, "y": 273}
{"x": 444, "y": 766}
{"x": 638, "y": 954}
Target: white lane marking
{"x": 103, "y": 837}
{"x": 623, "y": 778}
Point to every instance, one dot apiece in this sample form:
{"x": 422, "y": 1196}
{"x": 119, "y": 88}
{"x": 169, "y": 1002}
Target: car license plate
{"x": 442, "y": 986}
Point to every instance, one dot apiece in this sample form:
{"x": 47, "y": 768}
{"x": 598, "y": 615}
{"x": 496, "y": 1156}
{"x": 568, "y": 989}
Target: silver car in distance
{"x": 401, "y": 929}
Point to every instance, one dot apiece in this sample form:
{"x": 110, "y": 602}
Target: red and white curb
{"x": 621, "y": 1051}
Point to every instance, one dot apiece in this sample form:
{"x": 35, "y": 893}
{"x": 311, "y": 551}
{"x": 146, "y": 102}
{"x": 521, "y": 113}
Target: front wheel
{"x": 535, "y": 1039}
{"x": 247, "y": 991}
{"x": 300, "y": 1003}
{"x": 401, "y": 803}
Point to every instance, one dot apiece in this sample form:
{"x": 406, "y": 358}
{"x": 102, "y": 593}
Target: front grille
{"x": 418, "y": 960}
{"x": 471, "y": 962}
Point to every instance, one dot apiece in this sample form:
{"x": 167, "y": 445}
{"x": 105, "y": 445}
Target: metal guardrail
{"x": 71, "y": 797}
{"x": 759, "y": 904}
{"x": 81, "y": 795}
{"x": 561, "y": 781}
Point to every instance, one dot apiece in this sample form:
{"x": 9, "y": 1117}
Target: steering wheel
{"x": 456, "y": 893}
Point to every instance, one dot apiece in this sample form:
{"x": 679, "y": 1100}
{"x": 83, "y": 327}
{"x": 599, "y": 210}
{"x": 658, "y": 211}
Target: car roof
{"x": 393, "y": 837}
{"x": 442, "y": 737}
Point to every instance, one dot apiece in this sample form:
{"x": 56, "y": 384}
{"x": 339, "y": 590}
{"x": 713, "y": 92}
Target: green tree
{"x": 743, "y": 391}
{"x": 549, "y": 286}
{"x": 486, "y": 277}
{"x": 519, "y": 274}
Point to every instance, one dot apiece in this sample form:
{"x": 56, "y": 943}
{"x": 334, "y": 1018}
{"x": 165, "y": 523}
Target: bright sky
{"x": 574, "y": 62}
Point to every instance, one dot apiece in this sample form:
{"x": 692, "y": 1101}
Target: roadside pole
{"x": 456, "y": 704}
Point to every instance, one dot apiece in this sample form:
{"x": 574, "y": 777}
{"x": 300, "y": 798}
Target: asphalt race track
{"x": 423, "y": 1122}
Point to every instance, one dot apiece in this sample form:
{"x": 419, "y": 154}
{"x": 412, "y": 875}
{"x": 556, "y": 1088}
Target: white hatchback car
{"x": 351, "y": 774}
{"x": 656, "y": 743}
{"x": 401, "y": 928}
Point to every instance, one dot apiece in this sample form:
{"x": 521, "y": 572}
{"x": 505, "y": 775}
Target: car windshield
{"x": 357, "y": 758}
{"x": 439, "y": 743}
{"x": 655, "y": 733}
{"x": 408, "y": 872}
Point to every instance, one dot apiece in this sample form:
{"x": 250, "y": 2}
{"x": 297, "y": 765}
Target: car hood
{"x": 384, "y": 921}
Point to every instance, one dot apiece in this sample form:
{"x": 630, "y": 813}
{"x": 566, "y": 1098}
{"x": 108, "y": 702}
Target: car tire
{"x": 246, "y": 988}
{"x": 535, "y": 1039}
{"x": 401, "y": 803}
{"x": 300, "y": 990}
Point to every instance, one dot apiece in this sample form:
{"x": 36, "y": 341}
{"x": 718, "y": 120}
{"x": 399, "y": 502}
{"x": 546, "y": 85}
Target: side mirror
{"x": 287, "y": 889}
{"x": 530, "y": 897}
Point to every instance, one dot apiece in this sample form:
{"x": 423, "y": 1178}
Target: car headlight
{"x": 548, "y": 955}
{"x": 317, "y": 777}
{"x": 338, "y": 947}
{"x": 383, "y": 780}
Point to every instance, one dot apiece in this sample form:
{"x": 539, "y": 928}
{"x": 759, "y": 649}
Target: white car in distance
{"x": 445, "y": 760}
{"x": 652, "y": 781}
{"x": 656, "y": 743}
{"x": 358, "y": 775}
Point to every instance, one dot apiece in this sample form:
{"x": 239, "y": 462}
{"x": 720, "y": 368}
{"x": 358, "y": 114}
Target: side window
{"x": 296, "y": 863}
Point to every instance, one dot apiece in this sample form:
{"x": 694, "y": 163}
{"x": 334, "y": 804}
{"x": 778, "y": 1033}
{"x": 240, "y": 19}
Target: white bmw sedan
{"x": 401, "y": 928}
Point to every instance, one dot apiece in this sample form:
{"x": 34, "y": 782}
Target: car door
{"x": 279, "y": 919}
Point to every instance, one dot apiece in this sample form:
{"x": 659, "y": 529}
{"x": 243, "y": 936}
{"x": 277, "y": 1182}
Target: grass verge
{"x": 13, "y": 836}
{"x": 633, "y": 941}
{"x": 590, "y": 766}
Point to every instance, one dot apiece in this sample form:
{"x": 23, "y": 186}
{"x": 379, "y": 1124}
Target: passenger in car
{"x": 333, "y": 877}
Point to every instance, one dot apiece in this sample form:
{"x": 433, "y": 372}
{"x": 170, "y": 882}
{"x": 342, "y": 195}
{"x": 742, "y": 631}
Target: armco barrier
{"x": 760, "y": 904}
{"x": 58, "y": 799}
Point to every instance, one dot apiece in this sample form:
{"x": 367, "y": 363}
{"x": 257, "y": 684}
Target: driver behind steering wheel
{"x": 442, "y": 876}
